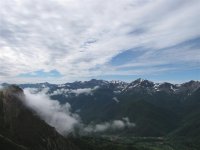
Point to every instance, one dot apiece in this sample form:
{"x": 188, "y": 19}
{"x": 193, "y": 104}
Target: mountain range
{"x": 156, "y": 109}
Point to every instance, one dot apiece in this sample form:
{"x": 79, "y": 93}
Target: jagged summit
{"x": 143, "y": 82}
{"x": 121, "y": 86}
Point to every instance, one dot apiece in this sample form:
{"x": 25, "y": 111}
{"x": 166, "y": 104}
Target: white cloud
{"x": 77, "y": 92}
{"x": 86, "y": 91}
{"x": 78, "y": 38}
{"x": 60, "y": 91}
{"x": 61, "y": 117}
{"x": 111, "y": 125}
{"x": 55, "y": 114}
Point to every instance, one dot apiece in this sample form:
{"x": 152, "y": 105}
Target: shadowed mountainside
{"x": 21, "y": 129}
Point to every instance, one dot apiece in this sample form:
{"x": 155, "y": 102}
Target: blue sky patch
{"x": 41, "y": 74}
{"x": 126, "y": 56}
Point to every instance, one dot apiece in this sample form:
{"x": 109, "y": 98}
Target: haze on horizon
{"x": 59, "y": 41}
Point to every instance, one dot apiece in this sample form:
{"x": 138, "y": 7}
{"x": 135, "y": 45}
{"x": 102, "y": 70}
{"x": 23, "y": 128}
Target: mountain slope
{"x": 22, "y": 126}
{"x": 7, "y": 144}
{"x": 157, "y": 109}
{"x": 166, "y": 115}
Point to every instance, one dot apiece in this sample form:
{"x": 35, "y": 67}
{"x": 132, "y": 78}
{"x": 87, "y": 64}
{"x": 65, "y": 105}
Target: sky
{"x": 60, "y": 41}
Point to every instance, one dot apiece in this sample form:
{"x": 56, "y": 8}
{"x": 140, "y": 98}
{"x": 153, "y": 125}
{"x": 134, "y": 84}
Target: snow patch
{"x": 115, "y": 99}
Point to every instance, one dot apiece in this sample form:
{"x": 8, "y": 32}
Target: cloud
{"x": 55, "y": 114}
{"x": 79, "y": 38}
{"x": 60, "y": 91}
{"x": 61, "y": 117}
{"x": 111, "y": 125}
{"x": 77, "y": 92}
{"x": 86, "y": 91}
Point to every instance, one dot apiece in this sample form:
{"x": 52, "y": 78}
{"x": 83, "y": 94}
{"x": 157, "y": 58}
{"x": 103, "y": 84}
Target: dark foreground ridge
{"x": 20, "y": 129}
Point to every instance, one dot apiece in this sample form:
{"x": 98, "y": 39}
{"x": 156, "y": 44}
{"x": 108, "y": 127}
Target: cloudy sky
{"x": 66, "y": 40}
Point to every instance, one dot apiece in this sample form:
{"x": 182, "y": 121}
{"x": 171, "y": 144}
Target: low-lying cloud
{"x": 61, "y": 117}
{"x": 60, "y": 92}
{"x": 86, "y": 91}
{"x": 77, "y": 92}
{"x": 55, "y": 114}
{"x": 111, "y": 125}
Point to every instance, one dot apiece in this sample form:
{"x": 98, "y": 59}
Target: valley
{"x": 140, "y": 115}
